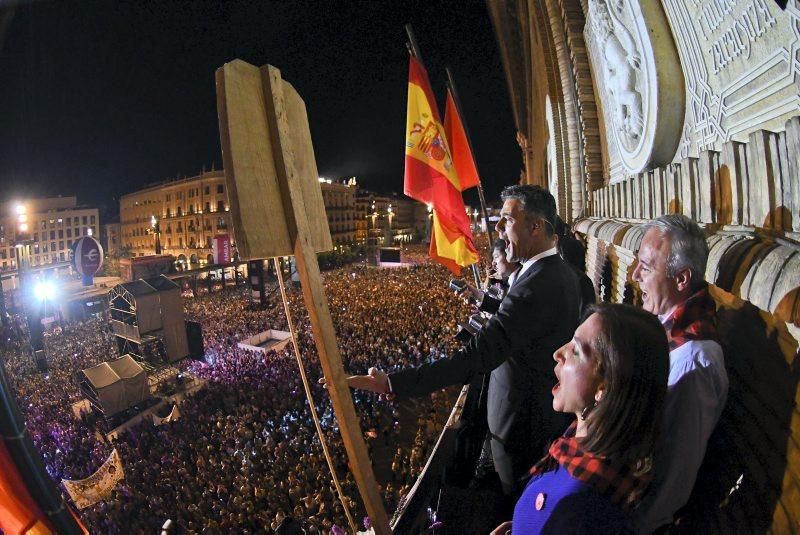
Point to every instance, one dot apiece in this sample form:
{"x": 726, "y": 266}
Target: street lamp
{"x": 22, "y": 239}
{"x": 429, "y": 222}
{"x": 154, "y": 224}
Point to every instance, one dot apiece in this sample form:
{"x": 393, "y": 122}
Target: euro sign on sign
{"x": 87, "y": 256}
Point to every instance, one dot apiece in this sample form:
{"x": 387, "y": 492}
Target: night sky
{"x": 101, "y": 98}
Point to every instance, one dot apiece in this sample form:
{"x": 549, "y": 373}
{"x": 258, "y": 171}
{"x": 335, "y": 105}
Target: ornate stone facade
{"x": 727, "y": 156}
{"x": 740, "y": 61}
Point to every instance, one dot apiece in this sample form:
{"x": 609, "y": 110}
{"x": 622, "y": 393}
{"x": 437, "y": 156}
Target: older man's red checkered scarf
{"x": 623, "y": 484}
{"x": 694, "y": 319}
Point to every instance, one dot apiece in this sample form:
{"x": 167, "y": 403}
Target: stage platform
{"x": 271, "y": 340}
{"x": 191, "y": 385}
{"x": 164, "y": 389}
{"x": 395, "y": 264}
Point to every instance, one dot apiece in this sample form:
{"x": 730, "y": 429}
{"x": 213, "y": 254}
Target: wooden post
{"x": 272, "y": 182}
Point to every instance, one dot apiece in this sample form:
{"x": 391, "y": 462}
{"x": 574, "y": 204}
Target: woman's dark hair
{"x": 499, "y": 245}
{"x": 633, "y": 363}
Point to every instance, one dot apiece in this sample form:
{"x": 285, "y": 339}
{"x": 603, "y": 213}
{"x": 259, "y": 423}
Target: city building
{"x": 186, "y": 214}
{"x": 183, "y": 215}
{"x": 628, "y": 111}
{"x": 388, "y": 219}
{"x": 340, "y": 207}
{"x": 53, "y": 224}
{"x": 111, "y": 237}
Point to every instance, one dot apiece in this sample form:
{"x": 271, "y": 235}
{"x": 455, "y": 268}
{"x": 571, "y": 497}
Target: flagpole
{"x": 451, "y": 82}
{"x": 413, "y": 47}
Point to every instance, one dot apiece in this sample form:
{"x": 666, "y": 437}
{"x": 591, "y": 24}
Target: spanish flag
{"x": 431, "y": 176}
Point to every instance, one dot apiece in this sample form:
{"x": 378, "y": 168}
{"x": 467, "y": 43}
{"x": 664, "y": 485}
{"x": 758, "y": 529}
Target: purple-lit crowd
{"x": 597, "y": 416}
{"x": 244, "y": 456}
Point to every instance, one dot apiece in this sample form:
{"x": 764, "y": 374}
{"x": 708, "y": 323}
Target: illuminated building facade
{"x": 388, "y": 219}
{"x": 187, "y": 213}
{"x": 53, "y": 226}
{"x": 184, "y": 214}
{"x": 340, "y": 207}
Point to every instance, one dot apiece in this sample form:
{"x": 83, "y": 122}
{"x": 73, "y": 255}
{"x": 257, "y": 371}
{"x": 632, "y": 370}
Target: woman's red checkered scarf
{"x": 694, "y": 319}
{"x": 623, "y": 484}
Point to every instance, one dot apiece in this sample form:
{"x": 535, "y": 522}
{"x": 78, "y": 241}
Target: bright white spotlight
{"x": 44, "y": 290}
{"x": 20, "y": 209}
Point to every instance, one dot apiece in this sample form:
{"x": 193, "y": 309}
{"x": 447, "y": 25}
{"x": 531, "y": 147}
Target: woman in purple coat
{"x": 612, "y": 375}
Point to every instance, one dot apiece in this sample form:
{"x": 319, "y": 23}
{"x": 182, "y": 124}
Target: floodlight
{"x": 44, "y": 290}
{"x": 23, "y": 227}
{"x": 20, "y": 209}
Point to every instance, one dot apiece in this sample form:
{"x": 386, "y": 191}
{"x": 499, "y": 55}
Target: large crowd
{"x": 244, "y": 456}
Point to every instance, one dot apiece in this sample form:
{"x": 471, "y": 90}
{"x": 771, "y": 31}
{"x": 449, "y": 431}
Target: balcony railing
{"x": 412, "y": 513}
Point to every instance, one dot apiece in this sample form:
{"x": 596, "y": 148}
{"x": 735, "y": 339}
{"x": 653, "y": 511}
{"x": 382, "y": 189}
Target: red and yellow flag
{"x": 431, "y": 176}
{"x": 459, "y": 146}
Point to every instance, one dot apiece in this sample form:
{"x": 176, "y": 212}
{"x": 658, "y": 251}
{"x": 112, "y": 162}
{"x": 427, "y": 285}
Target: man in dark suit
{"x": 538, "y": 315}
{"x": 573, "y": 252}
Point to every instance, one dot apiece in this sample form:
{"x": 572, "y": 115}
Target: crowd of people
{"x": 71, "y": 449}
{"x": 626, "y": 412}
{"x": 244, "y": 455}
{"x": 623, "y": 401}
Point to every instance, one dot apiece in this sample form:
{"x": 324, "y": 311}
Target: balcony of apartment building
{"x": 195, "y": 209}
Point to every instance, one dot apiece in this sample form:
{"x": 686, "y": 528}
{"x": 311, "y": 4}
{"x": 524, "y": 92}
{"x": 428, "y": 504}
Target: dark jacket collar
{"x": 538, "y": 266}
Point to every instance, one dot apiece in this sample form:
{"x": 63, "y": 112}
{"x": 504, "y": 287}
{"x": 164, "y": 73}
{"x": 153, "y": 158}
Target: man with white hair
{"x": 670, "y": 272}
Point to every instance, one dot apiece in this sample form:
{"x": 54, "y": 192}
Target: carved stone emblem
{"x": 639, "y": 80}
{"x": 621, "y": 71}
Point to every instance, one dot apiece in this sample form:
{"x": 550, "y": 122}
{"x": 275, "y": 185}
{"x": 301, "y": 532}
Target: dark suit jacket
{"x": 538, "y": 314}
{"x": 587, "y": 289}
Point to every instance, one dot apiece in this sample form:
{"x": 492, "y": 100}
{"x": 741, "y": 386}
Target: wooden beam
{"x": 266, "y": 137}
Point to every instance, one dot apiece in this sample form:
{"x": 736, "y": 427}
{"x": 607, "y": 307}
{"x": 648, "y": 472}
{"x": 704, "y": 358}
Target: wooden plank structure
{"x": 277, "y": 208}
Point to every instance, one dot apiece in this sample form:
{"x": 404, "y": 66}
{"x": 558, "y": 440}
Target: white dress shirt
{"x": 696, "y": 394}
{"x": 528, "y": 263}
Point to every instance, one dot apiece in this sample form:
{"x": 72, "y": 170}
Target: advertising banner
{"x": 221, "y": 246}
